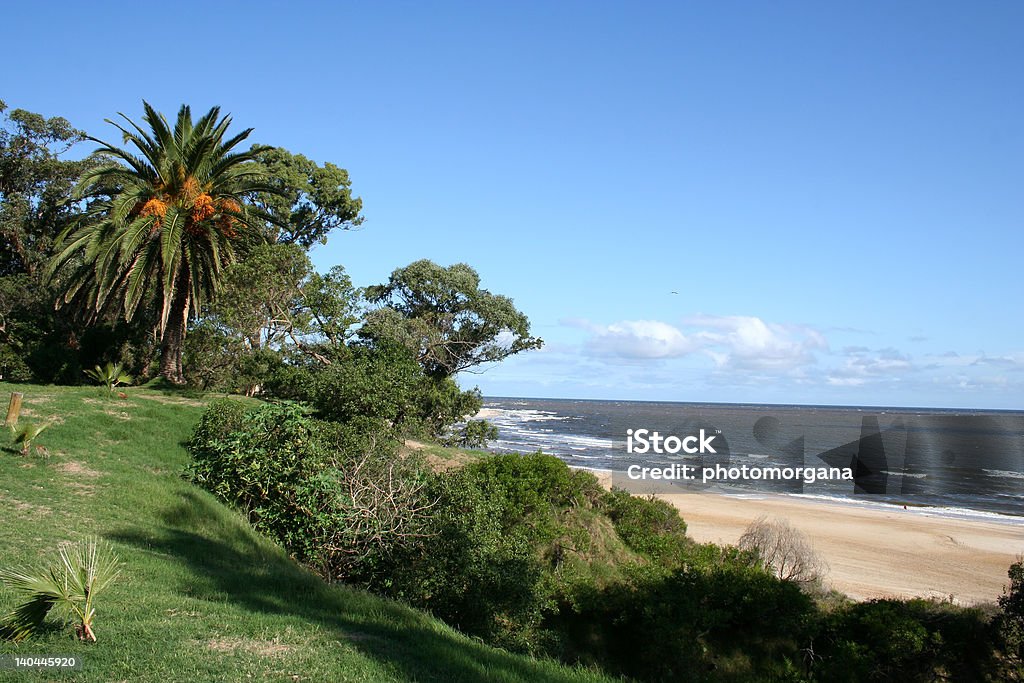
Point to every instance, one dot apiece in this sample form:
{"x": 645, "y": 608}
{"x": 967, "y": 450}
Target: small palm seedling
{"x": 26, "y": 434}
{"x": 109, "y": 375}
{"x": 70, "y": 584}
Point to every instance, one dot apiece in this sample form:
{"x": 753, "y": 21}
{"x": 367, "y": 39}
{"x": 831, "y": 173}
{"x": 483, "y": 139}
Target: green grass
{"x": 202, "y": 596}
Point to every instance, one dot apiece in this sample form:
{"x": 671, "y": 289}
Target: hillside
{"x": 202, "y": 596}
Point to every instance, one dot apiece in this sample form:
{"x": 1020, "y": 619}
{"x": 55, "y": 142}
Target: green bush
{"x": 912, "y": 640}
{"x": 440, "y": 403}
{"x": 650, "y": 526}
{"x": 530, "y": 555}
{"x": 1010, "y": 623}
{"x": 493, "y": 561}
{"x": 41, "y": 344}
{"x": 731, "y": 621}
{"x": 336, "y": 496}
{"x": 385, "y": 383}
{"x": 372, "y": 383}
{"x": 220, "y": 419}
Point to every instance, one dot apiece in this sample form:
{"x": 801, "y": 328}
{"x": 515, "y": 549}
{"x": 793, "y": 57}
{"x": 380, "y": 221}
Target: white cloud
{"x": 882, "y": 362}
{"x": 750, "y": 343}
{"x": 845, "y": 381}
{"x": 951, "y": 359}
{"x": 863, "y": 365}
{"x": 638, "y": 339}
{"x": 731, "y": 342}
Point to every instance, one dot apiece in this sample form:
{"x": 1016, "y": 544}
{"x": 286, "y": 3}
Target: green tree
{"x": 164, "y": 220}
{"x": 35, "y": 206}
{"x": 443, "y": 316}
{"x": 271, "y": 309}
{"x": 274, "y": 299}
{"x": 310, "y": 201}
{"x": 35, "y": 186}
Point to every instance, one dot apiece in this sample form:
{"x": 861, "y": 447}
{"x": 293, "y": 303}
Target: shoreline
{"x": 941, "y": 511}
{"x": 873, "y": 550}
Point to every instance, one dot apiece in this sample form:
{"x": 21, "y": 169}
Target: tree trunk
{"x": 172, "y": 344}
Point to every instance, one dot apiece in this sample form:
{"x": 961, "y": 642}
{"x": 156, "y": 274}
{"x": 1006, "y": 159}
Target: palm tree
{"x": 162, "y": 223}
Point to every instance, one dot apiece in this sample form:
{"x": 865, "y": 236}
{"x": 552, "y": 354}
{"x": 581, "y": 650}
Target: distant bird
{"x": 673, "y": 292}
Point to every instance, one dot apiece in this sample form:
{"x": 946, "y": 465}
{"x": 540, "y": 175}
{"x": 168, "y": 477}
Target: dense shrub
{"x": 384, "y": 383}
{"x": 216, "y": 360}
{"x": 336, "y": 496}
{"x": 648, "y": 525}
{"x": 372, "y": 383}
{"x": 440, "y": 403}
{"x": 528, "y": 554}
{"x": 894, "y": 640}
{"x": 41, "y": 344}
{"x": 730, "y": 621}
{"x": 1010, "y": 623}
{"x": 499, "y": 534}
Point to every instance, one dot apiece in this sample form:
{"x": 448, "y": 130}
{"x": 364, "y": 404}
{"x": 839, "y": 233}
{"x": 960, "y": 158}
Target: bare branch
{"x": 783, "y": 549}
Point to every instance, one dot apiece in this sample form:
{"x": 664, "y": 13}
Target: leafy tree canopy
{"x": 275, "y": 300}
{"x": 310, "y": 201}
{"x": 35, "y": 186}
{"x": 443, "y": 316}
{"x": 36, "y": 204}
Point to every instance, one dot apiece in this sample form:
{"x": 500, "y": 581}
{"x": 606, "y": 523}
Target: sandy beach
{"x": 873, "y": 551}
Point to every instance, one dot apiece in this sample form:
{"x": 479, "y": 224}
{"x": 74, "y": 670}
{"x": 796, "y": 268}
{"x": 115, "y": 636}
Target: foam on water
{"x": 1004, "y": 473}
{"x": 912, "y": 475}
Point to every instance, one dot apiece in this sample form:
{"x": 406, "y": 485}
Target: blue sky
{"x": 833, "y": 189}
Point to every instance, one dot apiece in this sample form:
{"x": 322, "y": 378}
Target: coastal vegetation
{"x": 201, "y": 595}
{"x": 268, "y": 491}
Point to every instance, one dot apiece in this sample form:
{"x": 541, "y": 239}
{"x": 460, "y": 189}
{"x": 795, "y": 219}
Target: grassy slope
{"x": 203, "y": 597}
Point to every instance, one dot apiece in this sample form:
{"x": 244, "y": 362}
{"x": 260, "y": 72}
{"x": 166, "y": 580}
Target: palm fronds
{"x": 109, "y": 375}
{"x": 70, "y": 584}
{"x": 163, "y": 220}
{"x": 27, "y": 433}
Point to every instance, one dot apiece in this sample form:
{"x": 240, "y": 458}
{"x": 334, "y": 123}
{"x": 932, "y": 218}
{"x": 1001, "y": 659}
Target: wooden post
{"x": 13, "y": 409}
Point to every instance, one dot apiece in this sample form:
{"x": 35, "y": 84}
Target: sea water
{"x": 959, "y": 462}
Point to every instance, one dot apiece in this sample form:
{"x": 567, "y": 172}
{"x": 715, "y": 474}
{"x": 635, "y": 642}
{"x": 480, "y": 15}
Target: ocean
{"x": 954, "y": 462}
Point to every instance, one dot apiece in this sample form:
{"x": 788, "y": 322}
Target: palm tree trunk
{"x": 172, "y": 344}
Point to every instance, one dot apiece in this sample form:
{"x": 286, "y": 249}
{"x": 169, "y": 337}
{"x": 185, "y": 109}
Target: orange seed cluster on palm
{"x": 156, "y": 208}
{"x": 202, "y": 208}
{"x": 228, "y": 208}
{"x": 190, "y": 190}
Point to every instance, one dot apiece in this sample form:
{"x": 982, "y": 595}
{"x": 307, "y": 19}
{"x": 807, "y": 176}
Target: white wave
{"x": 586, "y": 441}
{"x": 925, "y": 510}
{"x": 1006, "y": 474}
{"x": 912, "y": 475}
